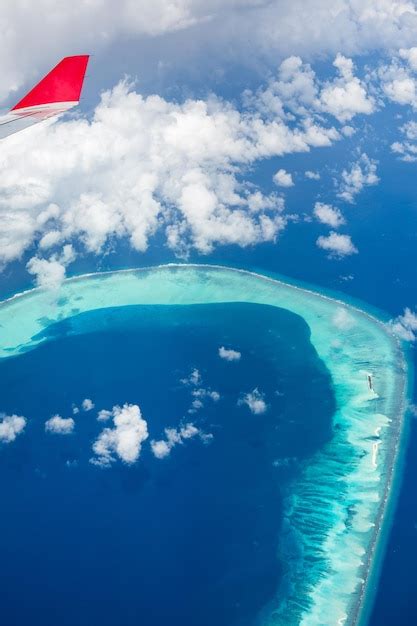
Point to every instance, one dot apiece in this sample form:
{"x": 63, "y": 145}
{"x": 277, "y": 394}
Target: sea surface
{"x": 194, "y": 539}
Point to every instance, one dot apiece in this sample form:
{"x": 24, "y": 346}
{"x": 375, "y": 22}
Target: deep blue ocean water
{"x": 191, "y": 540}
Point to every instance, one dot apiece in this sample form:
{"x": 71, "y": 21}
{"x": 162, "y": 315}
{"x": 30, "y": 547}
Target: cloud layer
{"x": 249, "y": 32}
{"x": 144, "y": 164}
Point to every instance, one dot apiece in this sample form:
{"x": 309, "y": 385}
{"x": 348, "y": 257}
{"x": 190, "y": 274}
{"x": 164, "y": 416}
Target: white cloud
{"x": 104, "y": 415}
{"x": 402, "y": 90}
{"x": 81, "y": 26}
{"x": 342, "y": 319}
{"x": 188, "y": 431}
{"x": 124, "y": 440}
{"x": 297, "y": 89}
{"x": 312, "y": 175}
{"x": 90, "y": 183}
{"x": 193, "y": 379}
{"x": 258, "y": 202}
{"x": 397, "y": 81}
{"x": 107, "y": 179}
{"x": 346, "y": 96}
{"x": 361, "y": 174}
{"x": 337, "y": 245}
{"x": 410, "y": 55}
{"x": 60, "y": 425}
{"x": 294, "y": 88}
{"x": 206, "y": 393}
{"x": 10, "y": 427}
{"x": 407, "y": 150}
{"x": 51, "y": 272}
{"x": 405, "y": 325}
{"x": 255, "y": 400}
{"x": 162, "y": 448}
{"x": 199, "y": 393}
{"x": 282, "y": 178}
{"x": 327, "y": 214}
{"x": 199, "y": 396}
{"x": 244, "y": 31}
{"x": 410, "y": 130}
{"x": 229, "y": 354}
{"x": 87, "y": 404}
{"x": 348, "y": 131}
{"x": 196, "y": 405}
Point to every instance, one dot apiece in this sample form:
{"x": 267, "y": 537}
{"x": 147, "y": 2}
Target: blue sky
{"x": 239, "y": 131}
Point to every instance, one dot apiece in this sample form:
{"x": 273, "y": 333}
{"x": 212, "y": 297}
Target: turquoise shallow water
{"x": 334, "y": 509}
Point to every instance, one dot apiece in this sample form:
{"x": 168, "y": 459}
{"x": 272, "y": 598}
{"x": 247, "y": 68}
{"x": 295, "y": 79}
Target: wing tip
{"x": 62, "y": 84}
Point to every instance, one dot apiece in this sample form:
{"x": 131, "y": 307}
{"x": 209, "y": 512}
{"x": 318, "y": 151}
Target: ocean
{"x": 191, "y": 539}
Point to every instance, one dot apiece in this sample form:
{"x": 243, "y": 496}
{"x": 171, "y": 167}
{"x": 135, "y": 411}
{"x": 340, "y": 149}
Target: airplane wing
{"x": 57, "y": 92}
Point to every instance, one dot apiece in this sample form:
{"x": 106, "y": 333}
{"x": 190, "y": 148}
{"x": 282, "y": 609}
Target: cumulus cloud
{"x": 193, "y": 379}
{"x": 10, "y": 427}
{"x": 199, "y": 396}
{"x": 402, "y": 90}
{"x": 198, "y": 392}
{"x": 407, "y": 150}
{"x": 410, "y": 55}
{"x": 107, "y": 179}
{"x": 162, "y": 448}
{"x": 124, "y": 440}
{"x": 410, "y": 130}
{"x": 397, "y": 81}
{"x": 255, "y": 400}
{"x": 312, "y": 175}
{"x": 298, "y": 89}
{"x": 346, "y": 96}
{"x": 293, "y": 89}
{"x": 327, "y": 214}
{"x": 228, "y": 354}
{"x": 337, "y": 245}
{"x": 60, "y": 425}
{"x": 146, "y": 165}
{"x": 405, "y": 325}
{"x": 87, "y": 404}
{"x": 282, "y": 178}
{"x": 361, "y": 174}
{"x": 104, "y": 415}
{"x": 50, "y": 272}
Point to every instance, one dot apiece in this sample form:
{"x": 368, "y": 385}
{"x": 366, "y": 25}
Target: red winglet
{"x": 62, "y": 84}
